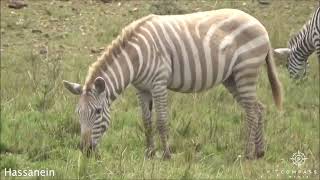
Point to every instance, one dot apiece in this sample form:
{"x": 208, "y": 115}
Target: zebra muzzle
{"x": 87, "y": 146}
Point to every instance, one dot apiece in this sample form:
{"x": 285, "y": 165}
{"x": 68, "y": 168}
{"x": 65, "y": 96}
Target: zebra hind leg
{"x": 230, "y": 85}
{"x": 252, "y": 126}
{"x": 243, "y": 89}
{"x": 318, "y": 55}
{"x": 259, "y": 139}
{"x": 145, "y": 100}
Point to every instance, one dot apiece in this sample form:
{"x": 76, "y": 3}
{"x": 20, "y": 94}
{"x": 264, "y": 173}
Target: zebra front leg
{"x": 159, "y": 95}
{"x": 145, "y": 100}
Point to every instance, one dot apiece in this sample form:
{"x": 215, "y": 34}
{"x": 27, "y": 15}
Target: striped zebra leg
{"x": 259, "y": 141}
{"x": 243, "y": 88}
{"x": 159, "y": 95}
{"x": 252, "y": 125}
{"x": 318, "y": 54}
{"x": 230, "y": 85}
{"x": 145, "y": 100}
{"x": 317, "y": 46}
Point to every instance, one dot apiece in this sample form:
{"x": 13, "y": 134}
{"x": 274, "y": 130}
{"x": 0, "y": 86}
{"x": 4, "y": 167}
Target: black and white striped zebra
{"x": 302, "y": 45}
{"x": 184, "y": 53}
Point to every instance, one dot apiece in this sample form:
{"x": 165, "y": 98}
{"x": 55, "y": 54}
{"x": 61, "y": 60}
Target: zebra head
{"x": 296, "y": 67}
{"x": 93, "y": 112}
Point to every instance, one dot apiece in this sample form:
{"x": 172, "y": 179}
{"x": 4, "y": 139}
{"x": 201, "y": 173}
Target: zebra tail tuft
{"x": 274, "y": 80}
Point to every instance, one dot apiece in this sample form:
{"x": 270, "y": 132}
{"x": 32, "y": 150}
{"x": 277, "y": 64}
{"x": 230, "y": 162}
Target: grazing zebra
{"x": 302, "y": 45}
{"x": 184, "y": 53}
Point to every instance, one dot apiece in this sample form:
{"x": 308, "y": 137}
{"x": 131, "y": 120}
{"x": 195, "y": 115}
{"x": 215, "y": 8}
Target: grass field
{"x": 53, "y": 40}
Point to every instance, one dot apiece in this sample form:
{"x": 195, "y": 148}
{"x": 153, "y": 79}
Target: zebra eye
{"x": 98, "y": 110}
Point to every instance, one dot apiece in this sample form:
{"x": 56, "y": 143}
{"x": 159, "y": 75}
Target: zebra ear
{"x": 99, "y": 84}
{"x": 74, "y": 88}
{"x": 282, "y": 52}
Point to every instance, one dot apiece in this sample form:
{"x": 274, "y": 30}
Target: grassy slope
{"x": 39, "y": 129}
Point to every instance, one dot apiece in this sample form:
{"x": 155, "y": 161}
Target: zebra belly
{"x": 189, "y": 90}
{"x": 188, "y": 84}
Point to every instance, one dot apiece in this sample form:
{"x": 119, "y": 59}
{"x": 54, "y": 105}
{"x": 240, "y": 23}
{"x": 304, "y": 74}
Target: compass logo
{"x": 298, "y": 158}
{"x": 298, "y": 172}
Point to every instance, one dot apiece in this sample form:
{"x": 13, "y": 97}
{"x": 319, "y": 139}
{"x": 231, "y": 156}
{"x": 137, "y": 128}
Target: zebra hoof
{"x": 166, "y": 155}
{"x": 260, "y": 154}
{"x": 250, "y": 156}
{"x": 150, "y": 153}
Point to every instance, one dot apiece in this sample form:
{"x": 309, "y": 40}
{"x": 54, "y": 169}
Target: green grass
{"x": 39, "y": 128}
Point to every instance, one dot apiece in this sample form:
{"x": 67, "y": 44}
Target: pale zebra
{"x": 302, "y": 45}
{"x": 184, "y": 53}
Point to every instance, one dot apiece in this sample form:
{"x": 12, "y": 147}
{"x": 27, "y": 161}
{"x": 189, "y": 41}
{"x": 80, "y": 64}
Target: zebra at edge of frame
{"x": 301, "y": 46}
{"x": 183, "y": 53}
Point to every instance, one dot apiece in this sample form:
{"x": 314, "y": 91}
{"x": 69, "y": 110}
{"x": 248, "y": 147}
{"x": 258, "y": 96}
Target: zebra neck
{"x": 116, "y": 82}
{"x": 120, "y": 72}
{"x": 301, "y": 45}
{"x": 302, "y": 49}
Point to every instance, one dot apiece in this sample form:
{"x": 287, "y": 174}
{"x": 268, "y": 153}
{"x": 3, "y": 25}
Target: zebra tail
{"x": 274, "y": 80}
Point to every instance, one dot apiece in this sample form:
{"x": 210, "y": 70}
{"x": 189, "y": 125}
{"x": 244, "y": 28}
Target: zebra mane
{"x": 113, "y": 48}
